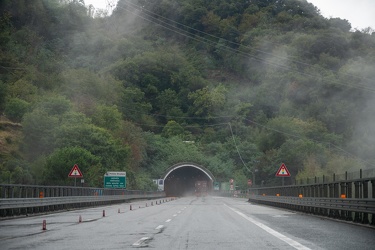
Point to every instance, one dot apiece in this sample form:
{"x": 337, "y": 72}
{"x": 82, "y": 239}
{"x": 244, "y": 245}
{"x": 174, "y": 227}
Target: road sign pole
{"x": 75, "y": 182}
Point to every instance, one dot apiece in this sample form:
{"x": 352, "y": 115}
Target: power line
{"x": 235, "y": 144}
{"x": 191, "y": 35}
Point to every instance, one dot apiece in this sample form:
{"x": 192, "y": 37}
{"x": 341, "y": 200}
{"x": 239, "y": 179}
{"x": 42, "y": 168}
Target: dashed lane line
{"x": 142, "y": 241}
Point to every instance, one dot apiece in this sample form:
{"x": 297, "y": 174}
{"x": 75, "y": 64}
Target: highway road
{"x": 185, "y": 223}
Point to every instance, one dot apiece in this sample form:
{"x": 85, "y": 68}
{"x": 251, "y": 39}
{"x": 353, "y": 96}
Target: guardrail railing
{"x": 28, "y": 199}
{"x": 352, "y": 200}
{"x": 37, "y": 191}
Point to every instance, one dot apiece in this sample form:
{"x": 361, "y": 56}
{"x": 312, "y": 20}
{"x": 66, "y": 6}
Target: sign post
{"x": 216, "y": 186}
{"x": 283, "y": 172}
{"x": 75, "y": 173}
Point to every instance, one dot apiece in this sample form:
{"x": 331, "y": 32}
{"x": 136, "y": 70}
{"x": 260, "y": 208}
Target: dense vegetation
{"x": 234, "y": 85}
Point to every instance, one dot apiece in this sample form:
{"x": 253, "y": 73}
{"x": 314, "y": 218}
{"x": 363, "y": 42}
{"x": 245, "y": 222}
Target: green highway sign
{"x": 115, "y": 180}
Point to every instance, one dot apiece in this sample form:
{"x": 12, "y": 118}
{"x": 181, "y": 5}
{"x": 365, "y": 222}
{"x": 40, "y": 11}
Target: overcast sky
{"x": 360, "y": 13}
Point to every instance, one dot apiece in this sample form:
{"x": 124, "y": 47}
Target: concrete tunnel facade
{"x": 179, "y": 179}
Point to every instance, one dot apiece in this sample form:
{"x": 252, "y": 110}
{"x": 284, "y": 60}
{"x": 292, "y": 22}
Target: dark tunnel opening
{"x": 181, "y": 182}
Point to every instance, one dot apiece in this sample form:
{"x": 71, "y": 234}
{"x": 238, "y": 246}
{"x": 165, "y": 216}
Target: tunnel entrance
{"x": 180, "y": 179}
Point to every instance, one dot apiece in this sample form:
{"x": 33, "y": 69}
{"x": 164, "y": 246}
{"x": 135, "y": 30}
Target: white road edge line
{"x": 141, "y": 241}
{"x": 269, "y": 230}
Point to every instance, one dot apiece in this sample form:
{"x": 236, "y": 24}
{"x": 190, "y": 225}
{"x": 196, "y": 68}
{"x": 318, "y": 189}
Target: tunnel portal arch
{"x": 180, "y": 179}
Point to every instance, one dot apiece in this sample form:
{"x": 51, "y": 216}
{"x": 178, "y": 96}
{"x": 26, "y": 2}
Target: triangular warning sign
{"x": 75, "y": 172}
{"x": 283, "y": 171}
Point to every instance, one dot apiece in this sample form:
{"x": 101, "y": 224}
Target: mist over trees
{"x": 235, "y": 86}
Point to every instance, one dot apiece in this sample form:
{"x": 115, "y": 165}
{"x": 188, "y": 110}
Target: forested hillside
{"x": 236, "y": 86}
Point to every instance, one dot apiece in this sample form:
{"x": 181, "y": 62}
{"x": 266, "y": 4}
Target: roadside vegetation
{"x": 236, "y": 86}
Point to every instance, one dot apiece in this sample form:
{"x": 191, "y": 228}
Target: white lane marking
{"x": 141, "y": 241}
{"x": 159, "y": 227}
{"x": 169, "y": 220}
{"x": 179, "y": 212}
{"x": 174, "y": 215}
{"x": 269, "y": 230}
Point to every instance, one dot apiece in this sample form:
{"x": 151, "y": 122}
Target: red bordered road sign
{"x": 283, "y": 171}
{"x": 249, "y": 182}
{"x": 75, "y": 172}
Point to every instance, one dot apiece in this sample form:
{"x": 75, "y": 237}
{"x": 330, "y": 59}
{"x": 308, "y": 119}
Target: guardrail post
{"x": 321, "y": 194}
{"x": 373, "y": 196}
{"x": 11, "y": 192}
{"x": 357, "y": 187}
{"x": 331, "y": 195}
{"x": 349, "y": 189}
{"x": 336, "y": 195}
{"x": 365, "y": 196}
{"x": 343, "y": 195}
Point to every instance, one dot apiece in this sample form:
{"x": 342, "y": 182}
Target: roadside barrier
{"x": 23, "y": 200}
{"x": 350, "y": 200}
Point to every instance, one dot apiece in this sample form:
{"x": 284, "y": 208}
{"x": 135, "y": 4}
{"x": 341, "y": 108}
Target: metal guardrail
{"x": 352, "y": 205}
{"x": 343, "y": 198}
{"x": 29, "y": 199}
{"x": 357, "y": 175}
{"x": 17, "y": 203}
{"x": 36, "y": 191}
{"x": 351, "y": 200}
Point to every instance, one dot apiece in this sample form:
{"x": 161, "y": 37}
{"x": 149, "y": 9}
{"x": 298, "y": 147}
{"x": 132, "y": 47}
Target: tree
{"x": 134, "y": 105}
{"x": 98, "y": 141}
{"x": 61, "y": 161}
{"x": 39, "y": 136}
{"x": 15, "y": 109}
{"x": 107, "y": 117}
{"x": 172, "y": 128}
{"x": 207, "y": 102}
{"x": 41, "y": 123}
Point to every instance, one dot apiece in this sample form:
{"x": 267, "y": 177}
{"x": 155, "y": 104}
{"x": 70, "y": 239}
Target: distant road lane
{"x": 186, "y": 223}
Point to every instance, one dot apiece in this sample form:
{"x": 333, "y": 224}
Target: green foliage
{"x": 134, "y": 105}
{"x": 61, "y": 161}
{"x": 22, "y": 89}
{"x": 41, "y": 123}
{"x": 294, "y": 152}
{"x": 138, "y": 97}
{"x": 208, "y": 102}
{"x": 39, "y": 133}
{"x": 3, "y": 93}
{"x": 143, "y": 181}
{"x": 15, "y": 109}
{"x": 107, "y": 117}
{"x": 98, "y": 141}
{"x": 15, "y": 171}
{"x": 86, "y": 88}
{"x": 172, "y": 129}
